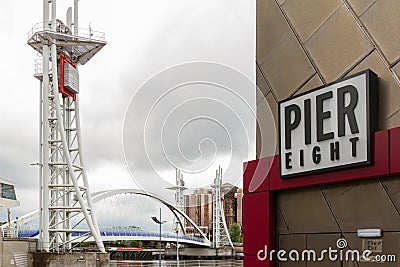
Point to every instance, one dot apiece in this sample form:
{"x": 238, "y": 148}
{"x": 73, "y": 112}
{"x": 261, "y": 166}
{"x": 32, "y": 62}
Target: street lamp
{"x": 177, "y": 245}
{"x": 160, "y": 223}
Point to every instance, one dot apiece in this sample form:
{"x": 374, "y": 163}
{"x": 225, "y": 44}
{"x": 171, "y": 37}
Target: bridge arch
{"x": 101, "y": 195}
{"x": 98, "y": 196}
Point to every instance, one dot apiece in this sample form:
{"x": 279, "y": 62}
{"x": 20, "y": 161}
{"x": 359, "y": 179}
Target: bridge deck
{"x": 127, "y": 235}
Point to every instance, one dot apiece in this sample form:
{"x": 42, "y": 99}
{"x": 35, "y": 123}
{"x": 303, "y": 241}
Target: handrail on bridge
{"x": 111, "y": 231}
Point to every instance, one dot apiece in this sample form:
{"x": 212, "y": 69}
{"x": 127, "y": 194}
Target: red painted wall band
{"x": 395, "y": 151}
{"x": 260, "y": 176}
{"x": 259, "y": 185}
{"x": 379, "y": 167}
{"x": 259, "y": 223}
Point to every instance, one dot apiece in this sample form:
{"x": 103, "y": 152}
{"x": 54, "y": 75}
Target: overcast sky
{"x": 144, "y": 38}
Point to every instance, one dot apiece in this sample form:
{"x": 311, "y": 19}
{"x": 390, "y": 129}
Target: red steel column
{"x": 258, "y": 214}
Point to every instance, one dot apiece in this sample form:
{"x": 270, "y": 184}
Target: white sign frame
{"x": 334, "y": 121}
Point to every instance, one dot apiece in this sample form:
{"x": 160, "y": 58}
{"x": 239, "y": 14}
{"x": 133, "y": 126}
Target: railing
{"x": 84, "y": 33}
{"x": 189, "y": 263}
{"x": 9, "y": 232}
{"x": 38, "y": 66}
{"x": 128, "y": 231}
{"x": 32, "y": 231}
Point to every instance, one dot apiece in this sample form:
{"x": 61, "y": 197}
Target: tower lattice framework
{"x": 65, "y": 202}
{"x": 179, "y": 189}
{"x": 221, "y": 235}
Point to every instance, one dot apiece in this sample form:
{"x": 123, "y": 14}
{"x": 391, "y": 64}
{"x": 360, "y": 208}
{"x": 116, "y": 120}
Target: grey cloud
{"x": 143, "y": 38}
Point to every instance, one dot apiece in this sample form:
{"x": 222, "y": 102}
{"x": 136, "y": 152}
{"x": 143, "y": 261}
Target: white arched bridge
{"x": 24, "y": 228}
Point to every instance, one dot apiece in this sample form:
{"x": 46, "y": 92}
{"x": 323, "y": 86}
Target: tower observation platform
{"x": 79, "y": 47}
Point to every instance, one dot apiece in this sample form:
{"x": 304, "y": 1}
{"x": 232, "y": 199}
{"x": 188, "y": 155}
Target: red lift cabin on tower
{"x": 69, "y": 77}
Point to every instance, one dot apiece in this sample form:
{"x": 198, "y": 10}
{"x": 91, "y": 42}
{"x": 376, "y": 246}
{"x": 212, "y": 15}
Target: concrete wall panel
{"x": 392, "y": 186}
{"x": 267, "y": 121}
{"x": 287, "y": 68}
{"x": 281, "y": 2}
{"x": 382, "y": 21}
{"x": 396, "y": 70}
{"x": 362, "y": 204}
{"x": 360, "y": 6}
{"x": 289, "y": 242}
{"x": 392, "y": 121}
{"x": 262, "y": 85}
{"x": 305, "y": 211}
{"x": 314, "y": 82}
{"x": 309, "y": 16}
{"x": 389, "y": 90}
{"x": 272, "y": 28}
{"x": 281, "y": 227}
{"x": 338, "y": 45}
{"x": 319, "y": 242}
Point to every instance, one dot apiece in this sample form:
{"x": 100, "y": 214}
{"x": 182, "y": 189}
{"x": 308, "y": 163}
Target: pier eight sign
{"x": 329, "y": 127}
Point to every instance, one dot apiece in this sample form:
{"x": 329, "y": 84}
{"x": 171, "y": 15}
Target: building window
{"x": 7, "y": 191}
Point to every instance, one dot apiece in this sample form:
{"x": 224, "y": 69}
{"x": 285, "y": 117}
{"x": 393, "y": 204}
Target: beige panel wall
{"x": 303, "y": 44}
{"x": 344, "y": 207}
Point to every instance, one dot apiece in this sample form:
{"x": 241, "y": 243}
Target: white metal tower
{"x": 64, "y": 188}
{"x": 179, "y": 198}
{"x": 221, "y": 235}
